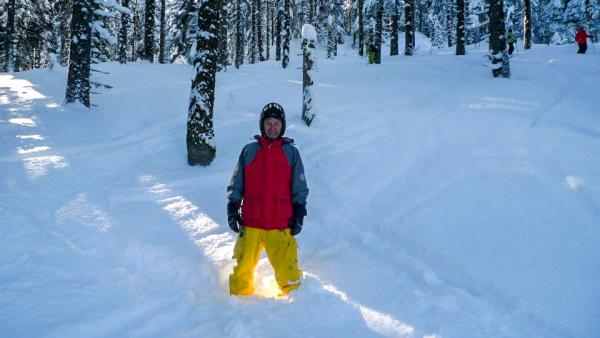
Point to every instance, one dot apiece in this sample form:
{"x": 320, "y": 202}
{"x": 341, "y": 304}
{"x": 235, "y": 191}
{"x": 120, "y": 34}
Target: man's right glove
{"x": 233, "y": 215}
{"x": 298, "y": 219}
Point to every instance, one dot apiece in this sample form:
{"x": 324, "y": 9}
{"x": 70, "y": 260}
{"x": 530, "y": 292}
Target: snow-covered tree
{"x": 309, "y": 42}
{"x": 200, "y": 131}
{"x": 498, "y": 54}
{"x": 460, "y": 27}
{"x": 409, "y": 33}
{"x": 394, "y": 27}
{"x": 78, "y": 80}
{"x": 88, "y": 35}
{"x": 149, "y": 12}
{"x": 286, "y": 32}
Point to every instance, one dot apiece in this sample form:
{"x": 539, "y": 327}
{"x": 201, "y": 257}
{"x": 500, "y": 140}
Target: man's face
{"x": 272, "y": 127}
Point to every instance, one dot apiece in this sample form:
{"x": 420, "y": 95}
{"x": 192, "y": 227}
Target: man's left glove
{"x": 298, "y": 219}
{"x": 233, "y": 215}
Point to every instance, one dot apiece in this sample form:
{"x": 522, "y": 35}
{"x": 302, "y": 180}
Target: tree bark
{"x": 378, "y": 31}
{"x": 460, "y": 27}
{"x": 498, "y": 54}
{"x": 163, "y": 27}
{"x": 527, "y": 25}
{"x": 149, "y": 30}
{"x": 200, "y": 130}
{"x": 361, "y": 28}
{"x": 11, "y": 37}
{"x": 123, "y": 34}
{"x": 394, "y": 30}
{"x": 409, "y": 17}
{"x": 78, "y": 78}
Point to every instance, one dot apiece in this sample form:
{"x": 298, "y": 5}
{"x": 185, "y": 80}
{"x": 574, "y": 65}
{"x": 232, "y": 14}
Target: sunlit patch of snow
{"x": 38, "y": 166}
{"x": 23, "y": 122}
{"x": 23, "y": 89}
{"x": 52, "y": 105}
{"x": 32, "y": 150}
{"x": 83, "y": 212}
{"x": 574, "y": 182}
{"x": 379, "y": 322}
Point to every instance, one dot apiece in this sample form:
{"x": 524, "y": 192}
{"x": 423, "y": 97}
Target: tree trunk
{"x": 394, "y": 30}
{"x": 409, "y": 18}
{"x": 527, "y": 25}
{"x": 78, "y": 78}
{"x": 239, "y": 34}
{"x": 278, "y": 26}
{"x": 11, "y": 37}
{"x": 361, "y": 28}
{"x": 149, "y": 30}
{"x": 378, "y": 31}
{"x": 200, "y": 131}
{"x": 287, "y": 32}
{"x": 123, "y": 34}
{"x": 253, "y": 50}
{"x": 268, "y": 31}
{"x": 309, "y": 58}
{"x": 499, "y": 56}
{"x": 460, "y": 27}
{"x": 259, "y": 30}
{"x": 163, "y": 27}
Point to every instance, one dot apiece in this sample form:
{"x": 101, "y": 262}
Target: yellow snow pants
{"x": 282, "y": 251}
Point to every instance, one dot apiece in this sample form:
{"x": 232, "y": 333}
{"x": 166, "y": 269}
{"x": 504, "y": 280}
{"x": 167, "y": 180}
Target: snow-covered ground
{"x": 444, "y": 203}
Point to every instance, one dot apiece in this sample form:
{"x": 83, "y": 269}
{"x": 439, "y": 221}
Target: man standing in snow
{"x": 581, "y": 39}
{"x": 269, "y": 180}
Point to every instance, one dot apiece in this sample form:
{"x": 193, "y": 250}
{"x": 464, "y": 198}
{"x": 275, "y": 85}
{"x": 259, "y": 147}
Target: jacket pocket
{"x": 283, "y": 207}
{"x": 251, "y": 208}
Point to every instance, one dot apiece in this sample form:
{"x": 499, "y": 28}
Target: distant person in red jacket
{"x": 581, "y": 39}
{"x": 269, "y": 185}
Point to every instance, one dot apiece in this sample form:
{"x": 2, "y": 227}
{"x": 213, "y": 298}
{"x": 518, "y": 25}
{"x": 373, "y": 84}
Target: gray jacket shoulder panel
{"x": 235, "y": 189}
{"x": 299, "y": 185}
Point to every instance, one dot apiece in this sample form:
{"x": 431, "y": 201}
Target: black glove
{"x": 298, "y": 219}
{"x": 233, "y": 215}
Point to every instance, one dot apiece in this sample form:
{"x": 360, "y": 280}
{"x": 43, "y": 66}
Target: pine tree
{"x": 240, "y": 32}
{"x": 10, "y": 39}
{"x": 183, "y": 25}
{"x": 78, "y": 81}
{"x": 361, "y": 27}
{"x": 527, "y": 25}
{"x": 460, "y": 27}
{"x": 259, "y": 30}
{"x": 286, "y": 33}
{"x": 409, "y": 19}
{"x": 498, "y": 54}
{"x": 123, "y": 33}
{"x": 309, "y": 65}
{"x": 222, "y": 55}
{"x": 162, "y": 33}
{"x": 378, "y": 30}
{"x": 278, "y": 28}
{"x": 394, "y": 29}
{"x": 200, "y": 131}
{"x": 149, "y": 30}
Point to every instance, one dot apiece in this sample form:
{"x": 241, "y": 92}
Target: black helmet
{"x": 272, "y": 110}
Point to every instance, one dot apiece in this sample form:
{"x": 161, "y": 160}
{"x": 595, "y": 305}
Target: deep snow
{"x": 443, "y": 202}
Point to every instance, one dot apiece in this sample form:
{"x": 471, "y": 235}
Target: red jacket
{"x": 581, "y": 36}
{"x": 267, "y": 187}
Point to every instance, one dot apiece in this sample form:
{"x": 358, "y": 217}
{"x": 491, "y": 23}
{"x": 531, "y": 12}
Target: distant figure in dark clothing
{"x": 510, "y": 39}
{"x": 581, "y": 39}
